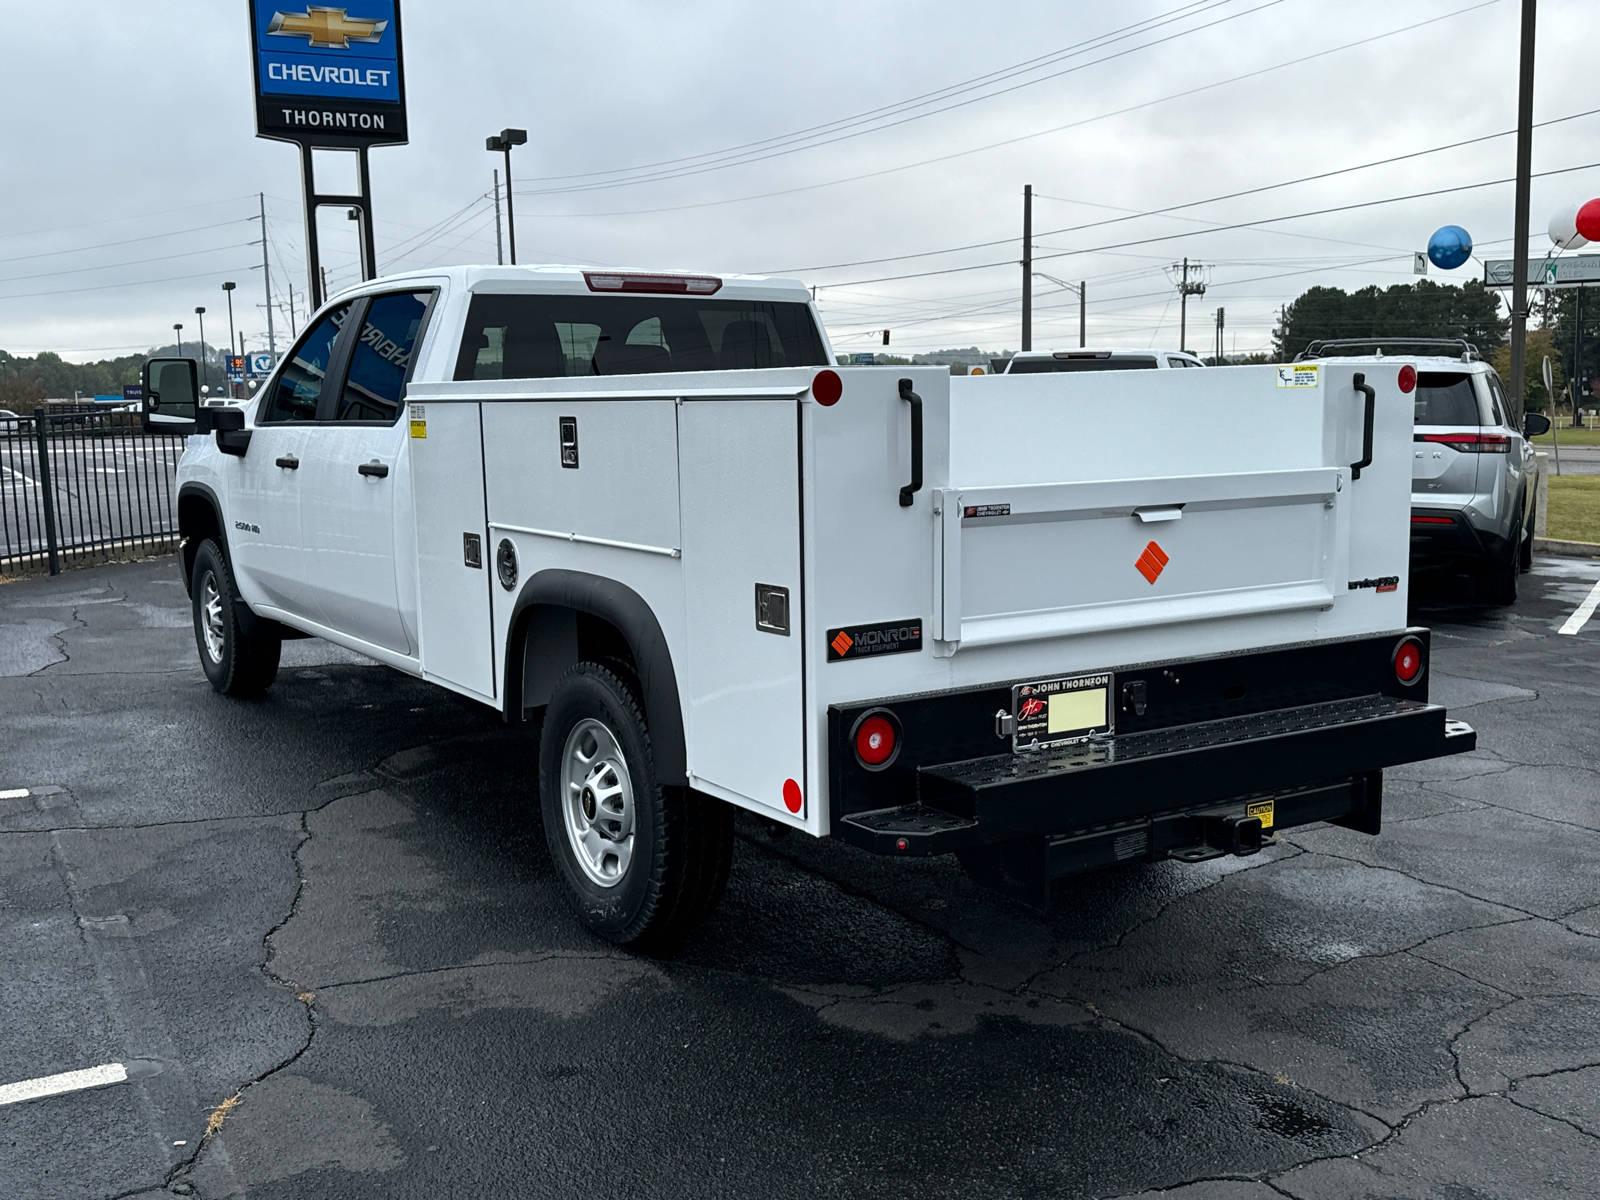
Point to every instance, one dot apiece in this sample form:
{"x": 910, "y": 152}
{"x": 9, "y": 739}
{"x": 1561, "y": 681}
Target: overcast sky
{"x": 131, "y": 165}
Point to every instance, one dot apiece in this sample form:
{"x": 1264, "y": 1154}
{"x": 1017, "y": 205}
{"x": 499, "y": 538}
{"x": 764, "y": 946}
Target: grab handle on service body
{"x": 915, "y": 485}
{"x": 1361, "y": 385}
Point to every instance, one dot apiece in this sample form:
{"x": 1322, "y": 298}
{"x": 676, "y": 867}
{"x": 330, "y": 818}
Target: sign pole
{"x": 1519, "y": 248}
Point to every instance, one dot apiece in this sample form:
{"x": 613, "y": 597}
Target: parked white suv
{"x": 1472, "y": 471}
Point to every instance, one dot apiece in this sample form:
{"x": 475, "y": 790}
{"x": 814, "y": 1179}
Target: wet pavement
{"x": 323, "y": 926}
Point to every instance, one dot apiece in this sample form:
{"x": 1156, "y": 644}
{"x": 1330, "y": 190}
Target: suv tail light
{"x": 1408, "y": 661}
{"x": 1470, "y": 443}
{"x": 876, "y": 738}
{"x": 665, "y": 285}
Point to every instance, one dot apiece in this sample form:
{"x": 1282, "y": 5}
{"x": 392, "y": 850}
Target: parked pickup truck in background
{"x": 1046, "y": 623}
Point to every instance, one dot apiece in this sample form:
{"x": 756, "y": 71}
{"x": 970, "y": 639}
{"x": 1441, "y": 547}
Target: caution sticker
{"x": 1262, "y": 809}
{"x": 419, "y": 421}
{"x": 1299, "y": 375}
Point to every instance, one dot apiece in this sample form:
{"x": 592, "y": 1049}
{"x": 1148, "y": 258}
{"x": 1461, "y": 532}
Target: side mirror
{"x": 171, "y": 396}
{"x": 1534, "y": 424}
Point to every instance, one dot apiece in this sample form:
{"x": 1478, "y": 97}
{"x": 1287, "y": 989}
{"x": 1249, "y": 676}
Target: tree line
{"x": 25, "y": 381}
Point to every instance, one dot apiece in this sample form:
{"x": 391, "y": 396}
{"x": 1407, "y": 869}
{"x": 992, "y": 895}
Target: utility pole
{"x": 266, "y": 279}
{"x": 1083, "y": 314}
{"x": 1221, "y": 324}
{"x": 205, "y": 367}
{"x": 1185, "y": 290}
{"x": 1027, "y": 267}
{"x": 1519, "y": 248}
{"x": 499, "y": 253}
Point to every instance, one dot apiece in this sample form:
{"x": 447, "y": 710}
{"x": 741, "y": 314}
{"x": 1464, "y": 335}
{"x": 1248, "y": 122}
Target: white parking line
{"x": 13, "y": 793}
{"x": 67, "y": 1081}
{"x": 1580, "y": 615}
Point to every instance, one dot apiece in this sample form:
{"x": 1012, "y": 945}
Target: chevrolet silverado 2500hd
{"x": 1045, "y": 622}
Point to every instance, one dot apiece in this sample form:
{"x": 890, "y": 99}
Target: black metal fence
{"x": 82, "y": 487}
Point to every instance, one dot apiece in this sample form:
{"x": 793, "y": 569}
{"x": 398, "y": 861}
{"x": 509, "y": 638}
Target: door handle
{"x": 289, "y": 462}
{"x": 374, "y": 468}
{"x": 915, "y": 486}
{"x": 1361, "y": 385}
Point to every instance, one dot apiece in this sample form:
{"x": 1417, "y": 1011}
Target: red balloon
{"x": 1589, "y": 220}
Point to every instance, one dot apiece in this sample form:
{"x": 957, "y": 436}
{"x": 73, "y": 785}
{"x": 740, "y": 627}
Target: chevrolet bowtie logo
{"x": 326, "y": 28}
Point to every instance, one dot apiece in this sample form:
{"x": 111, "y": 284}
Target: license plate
{"x": 1052, "y": 712}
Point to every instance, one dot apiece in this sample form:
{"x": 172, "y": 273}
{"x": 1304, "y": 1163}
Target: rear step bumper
{"x": 1183, "y": 791}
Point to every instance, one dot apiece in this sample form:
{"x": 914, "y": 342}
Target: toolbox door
{"x": 742, "y": 681}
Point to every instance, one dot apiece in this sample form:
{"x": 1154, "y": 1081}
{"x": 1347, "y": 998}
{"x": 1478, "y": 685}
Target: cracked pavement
{"x": 323, "y": 925}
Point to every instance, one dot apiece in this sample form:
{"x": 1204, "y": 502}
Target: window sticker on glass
{"x": 1054, "y": 711}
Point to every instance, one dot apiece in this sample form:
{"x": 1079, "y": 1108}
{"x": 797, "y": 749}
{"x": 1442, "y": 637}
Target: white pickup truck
{"x": 1047, "y": 623}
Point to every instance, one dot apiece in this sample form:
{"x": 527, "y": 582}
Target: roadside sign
{"x": 260, "y": 363}
{"x": 865, "y": 360}
{"x": 329, "y": 76}
{"x": 132, "y": 393}
{"x": 1575, "y": 271}
{"x": 1419, "y": 263}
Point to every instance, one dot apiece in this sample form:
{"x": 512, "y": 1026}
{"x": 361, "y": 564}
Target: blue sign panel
{"x": 329, "y": 76}
{"x": 132, "y": 393}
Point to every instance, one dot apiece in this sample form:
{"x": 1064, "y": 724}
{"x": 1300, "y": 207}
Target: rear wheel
{"x": 1525, "y": 554}
{"x": 237, "y": 663}
{"x": 642, "y": 863}
{"x": 1497, "y": 580}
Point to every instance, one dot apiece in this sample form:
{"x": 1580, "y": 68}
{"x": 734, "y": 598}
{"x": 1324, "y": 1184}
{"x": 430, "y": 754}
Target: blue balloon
{"x": 1449, "y": 247}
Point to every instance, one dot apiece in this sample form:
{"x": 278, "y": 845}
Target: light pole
{"x": 179, "y": 329}
{"x": 205, "y": 369}
{"x": 233, "y": 338}
{"x": 504, "y": 140}
{"x": 1081, "y": 290}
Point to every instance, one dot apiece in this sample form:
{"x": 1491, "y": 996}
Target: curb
{"x": 1573, "y": 549}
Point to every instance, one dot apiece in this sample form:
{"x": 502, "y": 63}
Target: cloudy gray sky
{"x": 131, "y": 166}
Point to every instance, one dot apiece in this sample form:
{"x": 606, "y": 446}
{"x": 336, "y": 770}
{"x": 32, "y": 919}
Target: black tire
{"x": 1497, "y": 579}
{"x": 1525, "y": 552}
{"x": 236, "y": 663}
{"x": 642, "y": 863}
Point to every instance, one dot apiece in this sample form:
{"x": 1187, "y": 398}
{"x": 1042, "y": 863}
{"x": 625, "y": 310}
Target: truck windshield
{"x": 1040, "y": 366}
{"x": 535, "y": 337}
{"x": 1446, "y": 398}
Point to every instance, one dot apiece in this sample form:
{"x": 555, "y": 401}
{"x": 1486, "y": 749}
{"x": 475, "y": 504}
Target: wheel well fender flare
{"x": 632, "y": 616}
{"x": 188, "y": 494}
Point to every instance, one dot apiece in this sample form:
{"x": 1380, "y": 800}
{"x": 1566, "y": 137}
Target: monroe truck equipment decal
{"x": 864, "y": 641}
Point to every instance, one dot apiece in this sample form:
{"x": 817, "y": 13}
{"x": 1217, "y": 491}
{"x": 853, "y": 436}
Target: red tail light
{"x": 877, "y": 739}
{"x": 1408, "y": 661}
{"x": 1470, "y": 443}
{"x": 665, "y": 285}
{"x": 1408, "y": 379}
{"x": 1432, "y": 521}
{"x": 827, "y": 387}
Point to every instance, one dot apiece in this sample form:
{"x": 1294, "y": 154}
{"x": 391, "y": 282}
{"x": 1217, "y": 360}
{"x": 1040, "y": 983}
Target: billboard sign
{"x": 1576, "y": 271}
{"x": 261, "y": 363}
{"x": 132, "y": 393}
{"x": 329, "y": 76}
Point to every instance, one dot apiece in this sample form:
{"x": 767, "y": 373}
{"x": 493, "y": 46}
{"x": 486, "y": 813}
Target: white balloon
{"x": 1564, "y": 228}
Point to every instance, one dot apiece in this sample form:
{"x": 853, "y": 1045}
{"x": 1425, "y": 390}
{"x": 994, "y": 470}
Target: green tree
{"x": 1541, "y": 342}
{"x": 1423, "y": 309}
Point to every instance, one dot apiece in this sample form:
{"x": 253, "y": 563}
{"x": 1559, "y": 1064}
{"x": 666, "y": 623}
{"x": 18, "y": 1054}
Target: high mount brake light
{"x": 876, "y": 738}
{"x": 1408, "y": 379}
{"x": 660, "y": 285}
{"x": 1470, "y": 443}
{"x": 1408, "y": 661}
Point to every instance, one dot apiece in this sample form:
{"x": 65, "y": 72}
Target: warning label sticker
{"x": 419, "y": 421}
{"x": 1262, "y": 809}
{"x": 1299, "y": 375}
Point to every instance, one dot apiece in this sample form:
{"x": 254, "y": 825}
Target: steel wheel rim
{"x": 597, "y": 803}
{"x": 211, "y": 630}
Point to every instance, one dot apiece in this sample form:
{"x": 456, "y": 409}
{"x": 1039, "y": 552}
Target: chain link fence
{"x": 84, "y": 487}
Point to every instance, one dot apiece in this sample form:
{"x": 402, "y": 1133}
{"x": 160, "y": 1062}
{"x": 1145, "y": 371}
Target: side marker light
{"x": 1408, "y": 379}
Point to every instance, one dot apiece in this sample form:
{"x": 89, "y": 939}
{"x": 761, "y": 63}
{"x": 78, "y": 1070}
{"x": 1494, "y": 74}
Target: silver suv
{"x": 1472, "y": 471}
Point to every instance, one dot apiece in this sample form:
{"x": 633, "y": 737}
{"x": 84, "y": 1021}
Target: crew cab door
{"x": 266, "y": 540}
{"x": 356, "y": 469}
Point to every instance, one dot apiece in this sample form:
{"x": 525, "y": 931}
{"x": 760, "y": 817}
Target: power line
{"x": 135, "y": 283}
{"x": 1027, "y": 136}
{"x": 133, "y": 263}
{"x": 149, "y": 237}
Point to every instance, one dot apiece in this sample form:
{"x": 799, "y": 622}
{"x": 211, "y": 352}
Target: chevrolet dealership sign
{"x": 329, "y": 76}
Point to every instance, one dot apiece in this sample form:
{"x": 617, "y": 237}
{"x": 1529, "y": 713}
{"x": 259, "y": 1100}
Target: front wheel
{"x": 236, "y": 662}
{"x": 642, "y": 863}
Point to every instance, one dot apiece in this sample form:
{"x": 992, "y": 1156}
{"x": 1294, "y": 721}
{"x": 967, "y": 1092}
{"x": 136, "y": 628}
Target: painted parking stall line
{"x": 67, "y": 1081}
{"x": 1580, "y": 615}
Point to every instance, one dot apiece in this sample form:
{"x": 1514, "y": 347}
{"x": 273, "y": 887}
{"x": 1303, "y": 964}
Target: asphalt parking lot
{"x": 322, "y": 926}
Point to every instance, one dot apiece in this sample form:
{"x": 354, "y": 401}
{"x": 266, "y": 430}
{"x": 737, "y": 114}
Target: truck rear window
{"x": 1040, "y": 366}
{"x": 537, "y": 337}
{"x": 1446, "y": 398}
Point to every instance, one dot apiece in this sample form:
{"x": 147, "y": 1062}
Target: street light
{"x": 506, "y": 139}
{"x": 179, "y": 328}
{"x": 1081, "y": 290}
{"x": 205, "y": 369}
{"x": 233, "y": 338}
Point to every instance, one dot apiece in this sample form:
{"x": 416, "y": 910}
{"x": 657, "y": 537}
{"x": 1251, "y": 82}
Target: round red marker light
{"x": 1408, "y": 379}
{"x": 791, "y": 795}
{"x": 827, "y": 387}
{"x": 875, "y": 741}
{"x": 900, "y": 844}
{"x": 1408, "y": 661}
